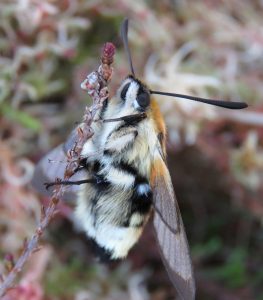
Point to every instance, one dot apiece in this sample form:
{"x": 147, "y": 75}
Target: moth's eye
{"x": 143, "y": 99}
{"x": 124, "y": 91}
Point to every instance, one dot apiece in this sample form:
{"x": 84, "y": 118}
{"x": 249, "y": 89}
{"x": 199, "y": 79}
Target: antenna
{"x": 124, "y": 36}
{"x": 220, "y": 103}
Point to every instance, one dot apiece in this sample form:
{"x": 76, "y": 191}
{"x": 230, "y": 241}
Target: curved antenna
{"x": 220, "y": 103}
{"x": 124, "y": 36}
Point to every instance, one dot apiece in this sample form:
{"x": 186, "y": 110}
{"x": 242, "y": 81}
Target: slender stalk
{"x": 96, "y": 86}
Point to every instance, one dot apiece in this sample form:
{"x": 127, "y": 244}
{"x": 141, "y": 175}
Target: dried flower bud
{"x": 37, "y": 249}
{"x": 106, "y": 72}
{"x": 55, "y": 200}
{"x": 91, "y": 82}
{"x": 104, "y": 93}
{"x": 25, "y": 243}
{"x": 9, "y": 262}
{"x": 70, "y": 170}
{"x": 43, "y": 212}
{"x": 39, "y": 231}
{"x": 107, "y": 54}
{"x": 9, "y": 257}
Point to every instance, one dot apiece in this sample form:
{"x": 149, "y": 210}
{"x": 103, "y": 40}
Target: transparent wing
{"x": 170, "y": 233}
{"x": 53, "y": 165}
{"x": 71, "y": 140}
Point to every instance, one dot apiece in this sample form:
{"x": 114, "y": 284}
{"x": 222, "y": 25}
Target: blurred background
{"x": 205, "y": 48}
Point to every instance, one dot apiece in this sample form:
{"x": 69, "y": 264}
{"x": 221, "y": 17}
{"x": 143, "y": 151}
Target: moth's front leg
{"x": 69, "y": 182}
{"x": 121, "y": 139}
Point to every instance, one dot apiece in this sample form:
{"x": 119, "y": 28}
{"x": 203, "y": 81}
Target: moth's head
{"x": 134, "y": 93}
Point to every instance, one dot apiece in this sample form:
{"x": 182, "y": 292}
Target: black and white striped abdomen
{"x": 114, "y": 210}
{"x": 125, "y": 180}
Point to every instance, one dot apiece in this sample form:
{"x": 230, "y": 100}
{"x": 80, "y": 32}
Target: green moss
{"x": 20, "y": 117}
{"x": 67, "y": 279}
{"x": 213, "y": 246}
{"x": 233, "y": 271}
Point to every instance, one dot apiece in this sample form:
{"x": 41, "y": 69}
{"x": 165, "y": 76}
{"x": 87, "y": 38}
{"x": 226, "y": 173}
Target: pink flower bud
{"x": 108, "y": 52}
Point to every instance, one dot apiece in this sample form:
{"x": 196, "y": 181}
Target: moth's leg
{"x": 120, "y": 139}
{"x": 129, "y": 119}
{"x": 82, "y": 165}
{"x": 69, "y": 182}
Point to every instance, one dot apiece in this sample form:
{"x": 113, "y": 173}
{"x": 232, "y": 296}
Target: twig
{"x": 96, "y": 86}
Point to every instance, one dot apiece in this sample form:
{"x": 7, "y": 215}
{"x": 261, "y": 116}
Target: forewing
{"x": 53, "y": 166}
{"x": 170, "y": 233}
{"x": 71, "y": 141}
{"x": 164, "y": 201}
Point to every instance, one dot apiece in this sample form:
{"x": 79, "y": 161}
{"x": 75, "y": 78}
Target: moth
{"x": 125, "y": 178}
